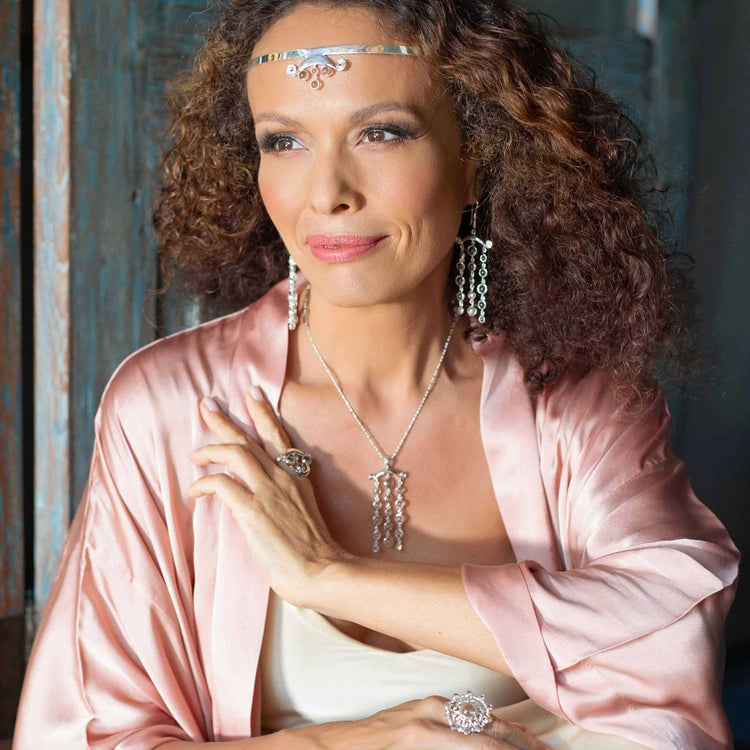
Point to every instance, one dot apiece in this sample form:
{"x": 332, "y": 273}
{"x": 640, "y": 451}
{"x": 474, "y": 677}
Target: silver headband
{"x": 317, "y": 63}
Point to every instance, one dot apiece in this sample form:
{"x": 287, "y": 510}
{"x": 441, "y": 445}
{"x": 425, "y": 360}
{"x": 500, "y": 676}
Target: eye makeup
{"x": 269, "y": 141}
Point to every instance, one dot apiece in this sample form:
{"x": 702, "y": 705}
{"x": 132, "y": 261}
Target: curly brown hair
{"x": 580, "y": 273}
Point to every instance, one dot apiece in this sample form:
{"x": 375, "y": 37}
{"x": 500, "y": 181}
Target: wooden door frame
{"x": 52, "y": 319}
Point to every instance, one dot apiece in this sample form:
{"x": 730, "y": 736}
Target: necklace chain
{"x": 386, "y": 459}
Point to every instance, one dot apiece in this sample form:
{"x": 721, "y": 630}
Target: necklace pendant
{"x": 388, "y": 502}
{"x": 388, "y": 508}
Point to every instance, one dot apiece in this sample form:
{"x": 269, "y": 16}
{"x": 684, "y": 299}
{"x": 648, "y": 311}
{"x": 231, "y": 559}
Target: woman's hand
{"x": 410, "y": 726}
{"x": 276, "y": 511}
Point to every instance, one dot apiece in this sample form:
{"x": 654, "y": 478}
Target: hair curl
{"x": 580, "y": 272}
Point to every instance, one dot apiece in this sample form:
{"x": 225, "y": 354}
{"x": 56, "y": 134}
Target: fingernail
{"x": 209, "y": 403}
{"x": 522, "y": 727}
{"x": 256, "y": 393}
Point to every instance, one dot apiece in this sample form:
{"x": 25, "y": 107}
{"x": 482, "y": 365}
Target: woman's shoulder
{"x": 586, "y": 398}
{"x": 201, "y": 351}
{"x": 196, "y": 360}
{"x": 578, "y": 390}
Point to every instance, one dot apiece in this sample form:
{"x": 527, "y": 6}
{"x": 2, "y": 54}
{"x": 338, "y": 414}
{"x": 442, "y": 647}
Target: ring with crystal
{"x": 295, "y": 462}
{"x": 468, "y": 713}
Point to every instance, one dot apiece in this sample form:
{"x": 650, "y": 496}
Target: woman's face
{"x": 374, "y": 152}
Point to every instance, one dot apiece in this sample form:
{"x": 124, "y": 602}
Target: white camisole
{"x": 313, "y": 673}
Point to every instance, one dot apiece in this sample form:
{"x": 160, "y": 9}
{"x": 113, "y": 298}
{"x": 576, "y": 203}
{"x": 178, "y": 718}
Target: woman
{"x": 428, "y": 462}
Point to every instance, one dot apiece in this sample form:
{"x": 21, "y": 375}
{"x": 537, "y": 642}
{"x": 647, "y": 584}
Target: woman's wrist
{"x": 324, "y": 591}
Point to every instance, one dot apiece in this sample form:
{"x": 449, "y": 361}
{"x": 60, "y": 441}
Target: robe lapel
{"x": 242, "y": 590}
{"x": 508, "y": 428}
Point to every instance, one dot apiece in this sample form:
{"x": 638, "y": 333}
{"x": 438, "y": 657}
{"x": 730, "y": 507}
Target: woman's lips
{"x": 341, "y": 248}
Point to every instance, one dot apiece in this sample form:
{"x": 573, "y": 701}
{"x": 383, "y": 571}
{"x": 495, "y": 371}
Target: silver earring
{"x": 293, "y": 319}
{"x": 475, "y": 299}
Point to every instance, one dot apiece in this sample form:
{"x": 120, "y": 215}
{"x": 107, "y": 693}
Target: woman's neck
{"x": 383, "y": 355}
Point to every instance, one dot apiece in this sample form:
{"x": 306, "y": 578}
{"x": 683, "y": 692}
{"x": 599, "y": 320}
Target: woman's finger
{"x": 514, "y": 734}
{"x": 237, "y": 498}
{"x": 273, "y": 436}
{"x": 221, "y": 425}
{"x": 247, "y": 461}
{"x": 509, "y": 734}
{"x": 225, "y": 429}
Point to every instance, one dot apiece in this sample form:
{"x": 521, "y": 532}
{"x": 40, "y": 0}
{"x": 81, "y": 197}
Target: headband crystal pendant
{"x": 316, "y": 62}
{"x": 314, "y": 67}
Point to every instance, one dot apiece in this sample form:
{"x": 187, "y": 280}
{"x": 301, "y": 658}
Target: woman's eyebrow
{"x": 357, "y": 116}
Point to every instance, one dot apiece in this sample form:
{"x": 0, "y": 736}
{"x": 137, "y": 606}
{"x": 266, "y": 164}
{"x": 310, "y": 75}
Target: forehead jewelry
{"x": 388, "y": 482}
{"x": 316, "y": 62}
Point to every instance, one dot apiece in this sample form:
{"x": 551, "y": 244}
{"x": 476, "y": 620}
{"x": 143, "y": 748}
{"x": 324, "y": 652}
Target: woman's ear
{"x": 476, "y": 185}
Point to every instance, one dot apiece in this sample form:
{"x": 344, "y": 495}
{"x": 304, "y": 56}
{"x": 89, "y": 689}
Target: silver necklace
{"x": 389, "y": 482}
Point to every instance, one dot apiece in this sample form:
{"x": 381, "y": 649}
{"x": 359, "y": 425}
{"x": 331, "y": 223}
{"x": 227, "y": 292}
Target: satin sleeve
{"x": 114, "y": 662}
{"x": 627, "y": 639}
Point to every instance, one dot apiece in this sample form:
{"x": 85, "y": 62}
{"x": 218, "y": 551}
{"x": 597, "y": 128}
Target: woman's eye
{"x": 378, "y": 135}
{"x": 277, "y": 142}
{"x": 390, "y": 134}
{"x": 284, "y": 144}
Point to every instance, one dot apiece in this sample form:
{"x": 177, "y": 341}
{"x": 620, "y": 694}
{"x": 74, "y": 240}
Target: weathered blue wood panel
{"x": 716, "y": 411}
{"x": 122, "y": 53}
{"x": 112, "y": 263}
{"x": 51, "y": 287}
{"x": 673, "y": 103}
{"x": 95, "y": 254}
{"x": 622, "y": 63}
{"x": 176, "y": 35}
{"x": 11, "y": 383}
{"x": 582, "y": 17}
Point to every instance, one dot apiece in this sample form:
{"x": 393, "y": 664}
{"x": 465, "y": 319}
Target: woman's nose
{"x": 333, "y": 183}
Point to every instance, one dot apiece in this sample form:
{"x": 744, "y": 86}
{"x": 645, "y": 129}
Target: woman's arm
{"x": 275, "y": 741}
{"x": 414, "y": 725}
{"x": 267, "y": 742}
{"x": 415, "y": 602}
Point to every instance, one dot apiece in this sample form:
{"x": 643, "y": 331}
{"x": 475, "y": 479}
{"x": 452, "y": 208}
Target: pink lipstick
{"x": 342, "y": 247}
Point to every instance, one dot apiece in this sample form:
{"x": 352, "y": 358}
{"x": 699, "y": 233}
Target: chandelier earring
{"x": 293, "y": 318}
{"x": 473, "y": 300}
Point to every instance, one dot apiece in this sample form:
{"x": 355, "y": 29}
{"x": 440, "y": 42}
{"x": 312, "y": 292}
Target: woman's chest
{"x": 450, "y": 507}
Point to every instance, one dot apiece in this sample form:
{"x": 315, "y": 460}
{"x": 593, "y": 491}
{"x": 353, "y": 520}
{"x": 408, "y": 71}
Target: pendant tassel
{"x": 387, "y": 484}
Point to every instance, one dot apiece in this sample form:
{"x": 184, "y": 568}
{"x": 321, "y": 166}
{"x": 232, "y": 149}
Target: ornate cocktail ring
{"x": 468, "y": 713}
{"x": 295, "y": 462}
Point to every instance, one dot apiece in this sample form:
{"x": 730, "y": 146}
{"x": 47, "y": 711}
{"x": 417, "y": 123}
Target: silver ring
{"x": 468, "y": 713}
{"x": 295, "y": 462}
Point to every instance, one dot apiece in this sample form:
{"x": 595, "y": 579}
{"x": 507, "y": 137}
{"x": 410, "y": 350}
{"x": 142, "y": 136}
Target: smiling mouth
{"x": 343, "y": 249}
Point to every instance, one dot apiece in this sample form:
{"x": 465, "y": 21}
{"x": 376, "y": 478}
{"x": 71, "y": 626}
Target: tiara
{"x": 316, "y": 61}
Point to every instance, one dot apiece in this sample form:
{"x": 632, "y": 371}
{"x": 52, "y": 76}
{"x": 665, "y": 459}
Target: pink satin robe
{"x": 613, "y": 618}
